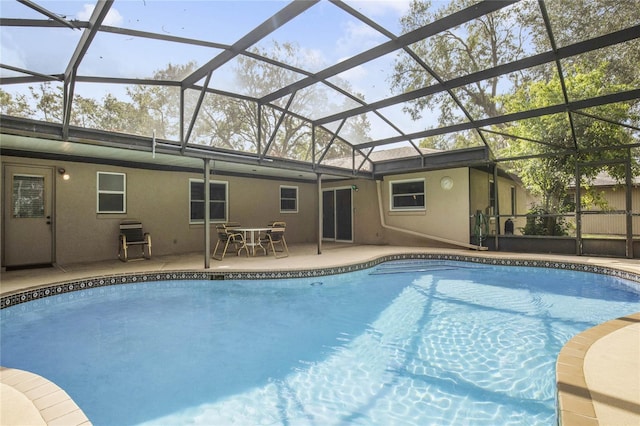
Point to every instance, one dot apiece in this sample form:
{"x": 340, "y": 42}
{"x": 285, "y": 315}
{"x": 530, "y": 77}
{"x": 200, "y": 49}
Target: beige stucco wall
{"x": 446, "y": 214}
{"x": 160, "y": 200}
{"x": 479, "y": 199}
{"x": 366, "y": 223}
{"x": 613, "y": 223}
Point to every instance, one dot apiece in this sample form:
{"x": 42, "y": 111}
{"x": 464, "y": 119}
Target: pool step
{"x": 409, "y": 267}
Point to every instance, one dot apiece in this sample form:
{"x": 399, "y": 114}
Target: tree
{"x": 17, "y": 106}
{"x": 87, "y": 112}
{"x": 227, "y": 122}
{"x": 48, "y": 101}
{"x": 156, "y": 109}
{"x": 480, "y": 44}
{"x": 233, "y": 123}
{"x": 553, "y": 169}
{"x": 577, "y": 20}
{"x": 118, "y": 116}
{"x": 501, "y": 37}
{"x": 507, "y": 35}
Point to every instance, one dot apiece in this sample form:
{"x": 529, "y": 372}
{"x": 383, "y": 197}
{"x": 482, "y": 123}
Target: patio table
{"x": 253, "y": 240}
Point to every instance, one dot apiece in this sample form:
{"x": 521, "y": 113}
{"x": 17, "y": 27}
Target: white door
{"x": 28, "y": 210}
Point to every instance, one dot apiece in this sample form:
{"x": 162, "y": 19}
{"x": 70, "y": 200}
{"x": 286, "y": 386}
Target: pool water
{"x": 405, "y": 343}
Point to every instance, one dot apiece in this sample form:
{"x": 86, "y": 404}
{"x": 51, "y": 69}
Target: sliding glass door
{"x": 337, "y": 215}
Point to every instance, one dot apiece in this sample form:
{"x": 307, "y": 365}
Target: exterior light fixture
{"x": 354, "y": 187}
{"x": 62, "y": 172}
{"x": 446, "y": 183}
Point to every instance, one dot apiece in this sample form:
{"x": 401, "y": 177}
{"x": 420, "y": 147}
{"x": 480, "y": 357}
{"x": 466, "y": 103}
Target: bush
{"x": 540, "y": 222}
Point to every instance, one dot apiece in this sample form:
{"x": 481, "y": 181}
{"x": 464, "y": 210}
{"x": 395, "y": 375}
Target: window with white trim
{"x": 407, "y": 195}
{"x": 218, "y": 206}
{"x": 112, "y": 192}
{"x": 288, "y": 199}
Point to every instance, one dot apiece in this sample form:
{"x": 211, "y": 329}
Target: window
{"x": 288, "y": 199}
{"x": 217, "y": 201}
{"x": 112, "y": 192}
{"x": 28, "y": 196}
{"x": 407, "y": 195}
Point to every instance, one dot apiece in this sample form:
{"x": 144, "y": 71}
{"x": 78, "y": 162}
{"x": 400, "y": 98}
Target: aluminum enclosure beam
{"x": 279, "y": 19}
{"x": 445, "y": 23}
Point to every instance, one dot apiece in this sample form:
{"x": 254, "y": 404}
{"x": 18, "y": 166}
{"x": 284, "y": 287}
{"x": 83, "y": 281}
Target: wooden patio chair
{"x": 131, "y": 234}
{"x": 228, "y": 237}
{"x": 274, "y": 237}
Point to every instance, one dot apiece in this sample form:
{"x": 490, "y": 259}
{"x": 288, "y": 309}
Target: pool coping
{"x": 573, "y": 408}
{"x": 51, "y": 404}
{"x": 575, "y": 400}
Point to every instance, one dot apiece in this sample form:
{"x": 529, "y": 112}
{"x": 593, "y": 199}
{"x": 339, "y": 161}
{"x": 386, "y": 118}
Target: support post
{"x": 319, "y": 213}
{"x": 629, "y": 208}
{"x": 207, "y": 215}
{"x": 578, "y": 211}
{"x": 496, "y": 206}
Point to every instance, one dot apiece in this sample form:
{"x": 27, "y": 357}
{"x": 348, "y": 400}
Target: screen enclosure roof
{"x": 301, "y": 88}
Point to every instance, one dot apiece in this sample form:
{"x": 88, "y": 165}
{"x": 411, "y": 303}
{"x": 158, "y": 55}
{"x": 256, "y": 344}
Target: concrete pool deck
{"x": 598, "y": 369}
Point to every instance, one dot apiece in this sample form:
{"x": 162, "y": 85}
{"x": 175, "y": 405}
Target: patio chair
{"x": 273, "y": 237}
{"x": 228, "y": 237}
{"x": 131, "y": 234}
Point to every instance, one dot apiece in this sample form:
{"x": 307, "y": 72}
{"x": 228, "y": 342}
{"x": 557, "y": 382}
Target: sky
{"x": 329, "y": 34}
{"x": 324, "y": 34}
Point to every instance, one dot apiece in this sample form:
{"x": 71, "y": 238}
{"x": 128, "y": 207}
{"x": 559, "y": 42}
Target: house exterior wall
{"x": 160, "y": 200}
{"x": 479, "y": 200}
{"x": 446, "y": 214}
{"x": 366, "y": 224}
{"x": 479, "y": 191}
{"x": 609, "y": 223}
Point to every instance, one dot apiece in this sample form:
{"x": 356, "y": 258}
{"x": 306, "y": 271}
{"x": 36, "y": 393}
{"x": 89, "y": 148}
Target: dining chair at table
{"x": 227, "y": 236}
{"x": 273, "y": 237}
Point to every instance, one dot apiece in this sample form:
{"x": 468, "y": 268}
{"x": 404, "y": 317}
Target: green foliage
{"x": 547, "y": 142}
{"x": 48, "y": 101}
{"x": 556, "y": 156}
{"x": 222, "y": 121}
{"x": 17, "y": 106}
{"x": 541, "y": 222}
{"x": 477, "y": 45}
{"x": 577, "y": 20}
{"x": 459, "y": 140}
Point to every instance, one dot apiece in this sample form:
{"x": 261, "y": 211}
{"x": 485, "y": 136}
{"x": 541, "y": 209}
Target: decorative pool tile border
{"x": 41, "y": 292}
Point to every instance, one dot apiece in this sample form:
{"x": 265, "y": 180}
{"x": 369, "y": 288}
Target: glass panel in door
{"x": 328, "y": 215}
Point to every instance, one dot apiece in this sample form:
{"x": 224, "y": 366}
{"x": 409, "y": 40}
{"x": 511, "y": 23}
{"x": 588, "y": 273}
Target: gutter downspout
{"x": 420, "y": 234}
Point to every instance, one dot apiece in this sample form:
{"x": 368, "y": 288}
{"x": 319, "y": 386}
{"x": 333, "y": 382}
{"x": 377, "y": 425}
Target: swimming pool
{"x": 411, "y": 342}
